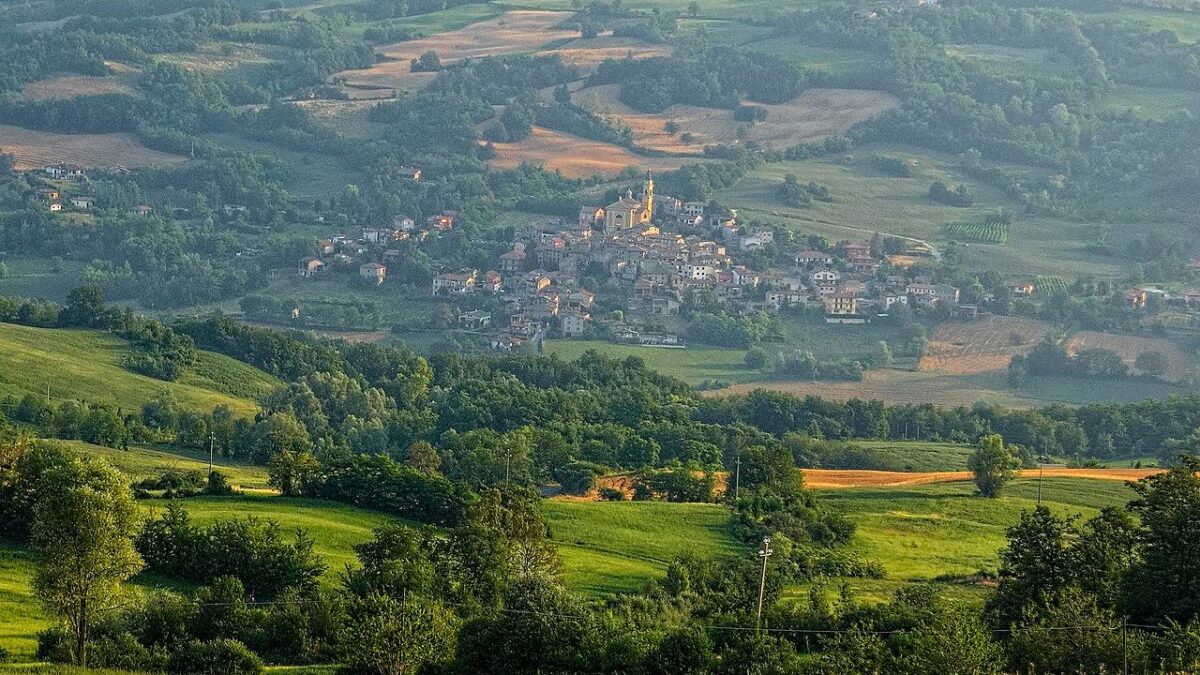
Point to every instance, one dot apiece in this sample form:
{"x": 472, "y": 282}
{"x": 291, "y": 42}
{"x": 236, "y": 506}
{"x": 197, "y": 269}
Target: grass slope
{"x": 925, "y": 532}
{"x": 143, "y": 462}
{"x": 616, "y": 546}
{"x": 692, "y": 365}
{"x": 921, "y": 455}
{"x": 87, "y": 365}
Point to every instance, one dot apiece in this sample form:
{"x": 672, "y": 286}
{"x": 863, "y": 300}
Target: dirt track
{"x": 833, "y": 478}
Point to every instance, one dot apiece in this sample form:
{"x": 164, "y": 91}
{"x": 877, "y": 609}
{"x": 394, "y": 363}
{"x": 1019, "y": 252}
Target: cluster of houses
{"x": 341, "y": 250}
{"x": 53, "y": 195}
{"x": 635, "y": 242}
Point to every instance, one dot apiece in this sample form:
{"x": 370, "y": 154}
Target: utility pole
{"x": 764, "y": 553}
{"x": 1125, "y": 642}
{"x": 212, "y": 440}
{"x": 507, "y": 462}
{"x": 47, "y": 393}
{"x": 737, "y": 479}
{"x": 1041, "y": 469}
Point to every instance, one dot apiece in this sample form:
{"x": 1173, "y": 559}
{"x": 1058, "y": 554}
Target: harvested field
{"x": 835, "y": 478}
{"x": 586, "y": 54}
{"x": 1129, "y": 346}
{"x": 981, "y": 346}
{"x": 813, "y": 115}
{"x": 70, "y": 86}
{"x": 576, "y": 157}
{"x": 510, "y": 33}
{"x": 33, "y": 149}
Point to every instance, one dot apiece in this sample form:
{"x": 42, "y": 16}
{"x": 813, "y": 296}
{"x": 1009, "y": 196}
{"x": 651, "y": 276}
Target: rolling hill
{"x": 87, "y": 365}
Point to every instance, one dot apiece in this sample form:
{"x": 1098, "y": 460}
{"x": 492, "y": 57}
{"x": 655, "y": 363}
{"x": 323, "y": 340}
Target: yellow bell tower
{"x": 648, "y": 196}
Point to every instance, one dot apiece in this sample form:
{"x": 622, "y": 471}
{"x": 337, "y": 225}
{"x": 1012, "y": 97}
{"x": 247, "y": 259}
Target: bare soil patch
{"x": 836, "y": 479}
{"x": 577, "y": 157}
{"x": 813, "y": 115}
{"x": 1129, "y": 346}
{"x": 34, "y": 149}
{"x": 510, "y": 33}
{"x": 70, "y": 86}
{"x": 981, "y": 346}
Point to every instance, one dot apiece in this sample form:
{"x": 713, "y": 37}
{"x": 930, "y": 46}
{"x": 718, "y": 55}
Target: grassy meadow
{"x": 144, "y": 462}
{"x": 87, "y": 365}
{"x": 920, "y": 455}
{"x": 616, "y": 546}
{"x": 692, "y": 364}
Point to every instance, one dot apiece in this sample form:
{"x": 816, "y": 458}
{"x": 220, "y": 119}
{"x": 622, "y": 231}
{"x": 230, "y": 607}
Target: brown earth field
{"x": 70, "y": 86}
{"x": 835, "y": 478}
{"x": 813, "y": 115}
{"x": 577, "y": 157}
{"x": 963, "y": 348}
{"x": 510, "y": 33}
{"x": 1129, "y": 346}
{"x": 34, "y": 149}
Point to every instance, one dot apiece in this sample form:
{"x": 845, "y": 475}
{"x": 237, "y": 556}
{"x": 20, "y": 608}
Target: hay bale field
{"x": 1180, "y": 364}
{"x": 577, "y": 157}
{"x": 813, "y": 115}
{"x": 510, "y": 33}
{"x": 69, "y": 86}
{"x": 34, "y": 149}
{"x": 981, "y": 346}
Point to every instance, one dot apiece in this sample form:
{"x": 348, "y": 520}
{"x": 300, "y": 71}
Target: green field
{"x": 831, "y": 60}
{"x": 1014, "y": 61}
{"x": 433, "y": 23}
{"x": 610, "y": 547}
{"x": 866, "y": 201}
{"x": 1186, "y": 25}
{"x": 34, "y": 277}
{"x": 22, "y": 616}
{"x": 1153, "y": 103}
{"x": 142, "y": 462}
{"x": 921, "y": 455}
{"x": 334, "y": 527}
{"x": 692, "y": 365}
{"x": 87, "y": 365}
{"x": 924, "y": 532}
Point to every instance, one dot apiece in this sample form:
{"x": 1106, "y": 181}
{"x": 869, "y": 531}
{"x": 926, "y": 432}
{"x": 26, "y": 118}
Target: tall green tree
{"x": 1164, "y": 583}
{"x": 84, "y": 526}
{"x": 397, "y": 636}
{"x": 993, "y": 465}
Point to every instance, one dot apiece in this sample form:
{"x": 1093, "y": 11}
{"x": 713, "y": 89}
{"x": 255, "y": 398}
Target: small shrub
{"x": 228, "y": 657}
{"x": 612, "y": 494}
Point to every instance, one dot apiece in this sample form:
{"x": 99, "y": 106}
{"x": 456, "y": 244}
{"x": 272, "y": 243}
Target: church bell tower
{"x": 648, "y": 196}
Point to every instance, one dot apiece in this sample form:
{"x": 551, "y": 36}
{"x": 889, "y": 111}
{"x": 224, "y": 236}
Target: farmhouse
{"x": 805, "y": 258}
{"x": 83, "y": 203}
{"x": 450, "y": 283}
{"x": 48, "y": 195}
{"x": 475, "y": 319}
{"x": 63, "y": 171}
{"x": 574, "y": 322}
{"x": 373, "y": 272}
{"x": 410, "y": 173}
{"x": 310, "y": 267}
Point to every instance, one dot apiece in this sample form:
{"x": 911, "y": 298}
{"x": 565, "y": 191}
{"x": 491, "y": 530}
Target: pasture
{"x": 920, "y": 455}
{"x": 35, "y": 149}
{"x": 69, "y": 86}
{"x": 610, "y": 547}
{"x": 139, "y": 462}
{"x": 922, "y": 532}
{"x": 692, "y": 365}
{"x": 814, "y": 115}
{"x": 904, "y": 386}
{"x": 86, "y": 365}
{"x": 1181, "y": 365}
{"x": 866, "y": 201}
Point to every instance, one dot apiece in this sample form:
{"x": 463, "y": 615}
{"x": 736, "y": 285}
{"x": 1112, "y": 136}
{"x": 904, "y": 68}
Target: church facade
{"x": 629, "y": 211}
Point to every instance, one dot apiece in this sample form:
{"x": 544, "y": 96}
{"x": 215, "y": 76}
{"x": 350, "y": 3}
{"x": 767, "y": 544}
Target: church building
{"x": 628, "y": 211}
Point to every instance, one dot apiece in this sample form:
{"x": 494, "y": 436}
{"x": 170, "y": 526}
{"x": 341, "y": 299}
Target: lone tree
{"x": 84, "y": 525}
{"x": 993, "y": 465}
